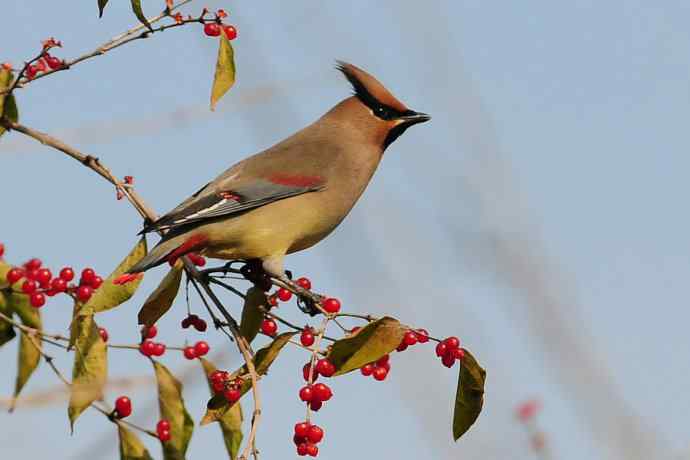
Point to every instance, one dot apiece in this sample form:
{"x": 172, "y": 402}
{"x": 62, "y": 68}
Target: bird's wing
{"x": 228, "y": 199}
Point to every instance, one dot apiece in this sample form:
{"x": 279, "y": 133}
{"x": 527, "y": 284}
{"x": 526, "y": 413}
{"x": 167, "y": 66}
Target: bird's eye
{"x": 382, "y": 112}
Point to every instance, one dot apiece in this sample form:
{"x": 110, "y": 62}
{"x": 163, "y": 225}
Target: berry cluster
{"x": 39, "y": 282}
{"x": 47, "y": 62}
{"x": 449, "y": 351}
{"x": 413, "y": 337}
{"x": 231, "y": 389}
{"x": 193, "y": 320}
{"x": 284, "y": 295}
{"x": 148, "y": 347}
{"x": 306, "y": 437}
{"x": 378, "y": 369}
{"x": 214, "y": 29}
{"x": 163, "y": 430}
{"x": 198, "y": 350}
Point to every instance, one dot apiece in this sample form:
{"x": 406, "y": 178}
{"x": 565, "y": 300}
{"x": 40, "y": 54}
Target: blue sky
{"x": 539, "y": 215}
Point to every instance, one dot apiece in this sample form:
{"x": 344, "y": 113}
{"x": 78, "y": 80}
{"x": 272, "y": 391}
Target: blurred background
{"x": 538, "y": 216}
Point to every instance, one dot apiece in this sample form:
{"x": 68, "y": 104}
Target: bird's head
{"x": 375, "y": 108}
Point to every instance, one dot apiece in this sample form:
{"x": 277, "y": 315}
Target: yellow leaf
{"x": 160, "y": 300}
{"x": 29, "y": 354}
{"x": 172, "y": 409}
{"x": 90, "y": 370}
{"x": 252, "y": 315}
{"x": 110, "y": 295}
{"x": 230, "y": 421}
{"x": 131, "y": 448}
{"x": 376, "y": 339}
{"x": 225, "y": 71}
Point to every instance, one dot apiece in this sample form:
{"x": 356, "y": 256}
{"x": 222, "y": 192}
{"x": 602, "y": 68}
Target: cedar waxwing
{"x": 291, "y": 196}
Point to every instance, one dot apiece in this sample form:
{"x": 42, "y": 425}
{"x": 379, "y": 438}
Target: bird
{"x": 292, "y": 195}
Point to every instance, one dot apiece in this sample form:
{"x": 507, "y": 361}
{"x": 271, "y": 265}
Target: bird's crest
{"x": 368, "y": 89}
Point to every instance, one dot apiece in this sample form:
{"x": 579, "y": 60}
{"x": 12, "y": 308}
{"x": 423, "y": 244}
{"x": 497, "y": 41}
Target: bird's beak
{"x": 412, "y": 118}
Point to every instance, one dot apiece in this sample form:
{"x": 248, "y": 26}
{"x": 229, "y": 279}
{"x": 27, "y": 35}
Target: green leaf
{"x": 160, "y": 300}
{"x": 217, "y": 406}
{"x": 8, "y": 104}
{"x": 252, "y": 314}
{"x": 374, "y": 340}
{"x": 469, "y": 398}
{"x": 131, "y": 448}
{"x": 110, "y": 295}
{"x": 139, "y": 13}
{"x": 225, "y": 71}
{"x": 90, "y": 370}
{"x": 101, "y": 7}
{"x": 172, "y": 409}
{"x": 230, "y": 421}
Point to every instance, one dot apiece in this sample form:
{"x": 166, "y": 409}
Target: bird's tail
{"x": 165, "y": 250}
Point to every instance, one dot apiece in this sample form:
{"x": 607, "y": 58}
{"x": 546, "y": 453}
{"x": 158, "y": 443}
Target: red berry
{"x": 33, "y": 264}
{"x": 162, "y": 425}
{"x": 325, "y": 367}
{"x": 218, "y": 386}
{"x": 383, "y": 360}
{"x": 302, "y": 429}
{"x": 302, "y": 449}
{"x": 452, "y": 342}
{"x": 305, "y": 373}
{"x": 159, "y": 349}
{"x": 186, "y": 323}
{"x": 149, "y": 332}
{"x": 104, "y": 333}
{"x": 232, "y": 395}
{"x": 401, "y": 347}
{"x": 269, "y": 327}
{"x": 230, "y": 32}
{"x": 123, "y": 406}
{"x": 58, "y": 285}
{"x": 43, "y": 277}
{"x": 307, "y": 337}
{"x": 212, "y": 29}
{"x": 273, "y": 300}
{"x": 315, "y": 434}
{"x": 2, "y": 249}
{"x": 304, "y": 283}
{"x": 51, "y": 292}
{"x": 218, "y": 376}
{"x": 147, "y": 348}
{"x": 306, "y": 393}
{"x": 53, "y": 62}
{"x": 32, "y": 274}
{"x": 284, "y": 295}
{"x": 448, "y": 359}
{"x": 67, "y": 274}
{"x": 41, "y": 65}
{"x": 87, "y": 276}
{"x": 29, "y": 287}
{"x": 31, "y": 71}
{"x": 321, "y": 392}
{"x": 331, "y": 305}
{"x": 315, "y": 405}
{"x": 201, "y": 348}
{"x": 458, "y": 353}
{"x": 84, "y": 293}
{"x": 14, "y": 275}
{"x": 189, "y": 352}
{"x": 200, "y": 325}
{"x": 380, "y": 373}
{"x": 164, "y": 435}
{"x": 367, "y": 369}
{"x": 422, "y": 335}
{"x": 129, "y": 180}
{"x": 441, "y": 349}
{"x": 410, "y": 338}
{"x": 312, "y": 450}
{"x": 97, "y": 281}
{"x": 37, "y": 299}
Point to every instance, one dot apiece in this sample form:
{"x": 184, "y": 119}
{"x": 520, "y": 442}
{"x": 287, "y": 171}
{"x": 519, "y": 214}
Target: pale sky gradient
{"x": 539, "y": 215}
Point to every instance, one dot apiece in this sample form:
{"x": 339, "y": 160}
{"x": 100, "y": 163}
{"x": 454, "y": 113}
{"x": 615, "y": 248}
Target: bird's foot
{"x": 254, "y": 272}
